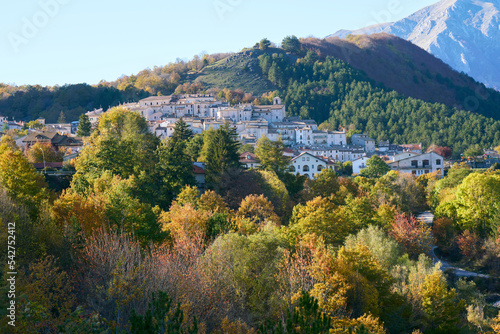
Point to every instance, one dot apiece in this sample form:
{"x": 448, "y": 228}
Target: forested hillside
{"x": 133, "y": 246}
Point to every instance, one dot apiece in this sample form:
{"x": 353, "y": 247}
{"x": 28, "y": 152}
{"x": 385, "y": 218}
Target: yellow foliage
{"x": 212, "y": 202}
{"x": 364, "y": 324}
{"x": 185, "y": 222}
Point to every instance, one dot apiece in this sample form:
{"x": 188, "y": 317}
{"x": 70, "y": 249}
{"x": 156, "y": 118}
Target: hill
{"x": 463, "y": 33}
{"x": 404, "y": 67}
{"x": 238, "y": 71}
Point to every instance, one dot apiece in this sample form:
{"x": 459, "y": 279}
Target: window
{"x": 306, "y": 168}
{"x": 426, "y": 163}
{"x": 320, "y": 168}
{"x": 307, "y": 158}
{"x": 414, "y": 172}
{"x": 426, "y": 171}
{"x": 414, "y": 163}
{"x": 438, "y": 162}
{"x": 292, "y": 169}
{"x": 303, "y": 159}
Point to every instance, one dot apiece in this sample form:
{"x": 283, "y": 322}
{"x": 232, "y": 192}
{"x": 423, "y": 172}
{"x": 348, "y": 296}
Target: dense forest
{"x": 133, "y": 246}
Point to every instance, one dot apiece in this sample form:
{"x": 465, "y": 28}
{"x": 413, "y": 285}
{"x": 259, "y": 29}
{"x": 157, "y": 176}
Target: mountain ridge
{"x": 463, "y": 33}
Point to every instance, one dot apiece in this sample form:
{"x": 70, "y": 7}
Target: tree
{"x": 473, "y": 151}
{"x": 477, "y": 199}
{"x": 122, "y": 145}
{"x": 376, "y": 167}
{"x": 413, "y": 235}
{"x": 43, "y": 153}
{"x": 62, "y": 118}
{"x": 291, "y": 44}
{"x": 35, "y": 125}
{"x": 271, "y": 155}
{"x": 84, "y": 126}
{"x": 21, "y": 180}
{"x": 175, "y": 168}
{"x": 441, "y": 305}
{"x": 325, "y": 184}
{"x": 264, "y": 44}
{"x": 194, "y": 146}
{"x": 222, "y": 153}
{"x": 256, "y": 210}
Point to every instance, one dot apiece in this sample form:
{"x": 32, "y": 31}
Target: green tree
{"x": 62, "y": 118}
{"x": 194, "y": 146}
{"x": 222, "y": 153}
{"x": 477, "y": 202}
{"x": 473, "y": 151}
{"x": 84, "y": 126}
{"x": 271, "y": 155}
{"x": 175, "y": 168}
{"x": 35, "y": 125}
{"x": 264, "y": 44}
{"x": 291, "y": 44}
{"x": 376, "y": 167}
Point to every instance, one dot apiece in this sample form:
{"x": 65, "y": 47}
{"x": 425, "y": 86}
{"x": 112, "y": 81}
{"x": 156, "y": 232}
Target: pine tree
{"x": 84, "y": 126}
{"x": 175, "y": 167}
{"x": 62, "y": 118}
{"x": 222, "y": 153}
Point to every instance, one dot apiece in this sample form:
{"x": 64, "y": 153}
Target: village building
{"x": 419, "y": 164}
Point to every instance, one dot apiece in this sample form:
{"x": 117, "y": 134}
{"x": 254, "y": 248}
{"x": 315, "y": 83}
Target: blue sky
{"x": 52, "y": 42}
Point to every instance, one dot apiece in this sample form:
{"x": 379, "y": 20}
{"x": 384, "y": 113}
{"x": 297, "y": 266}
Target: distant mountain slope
{"x": 463, "y": 33}
{"x": 409, "y": 70}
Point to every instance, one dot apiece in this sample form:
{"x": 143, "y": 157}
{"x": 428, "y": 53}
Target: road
{"x": 428, "y": 217}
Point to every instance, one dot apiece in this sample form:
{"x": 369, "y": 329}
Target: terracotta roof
{"x": 198, "y": 170}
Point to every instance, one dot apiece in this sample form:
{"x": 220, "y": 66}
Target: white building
{"x": 309, "y": 165}
{"x": 359, "y": 164}
{"x": 419, "y": 164}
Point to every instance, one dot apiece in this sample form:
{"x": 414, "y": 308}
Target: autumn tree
{"x": 21, "y": 181}
{"x": 413, "y": 235}
{"x": 255, "y": 211}
{"x": 39, "y": 152}
{"x": 62, "y": 118}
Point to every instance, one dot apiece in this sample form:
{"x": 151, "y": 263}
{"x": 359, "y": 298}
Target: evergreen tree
{"x": 222, "y": 153}
{"x": 62, "y": 118}
{"x": 182, "y": 132}
{"x": 84, "y": 126}
{"x": 175, "y": 168}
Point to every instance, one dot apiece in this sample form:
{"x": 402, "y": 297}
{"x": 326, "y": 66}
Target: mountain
{"x": 404, "y": 67}
{"x": 463, "y": 33}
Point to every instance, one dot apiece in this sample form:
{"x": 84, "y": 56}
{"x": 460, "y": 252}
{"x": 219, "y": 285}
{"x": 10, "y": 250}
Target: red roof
{"x": 198, "y": 170}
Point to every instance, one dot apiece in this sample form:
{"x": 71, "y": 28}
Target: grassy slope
{"x": 238, "y": 71}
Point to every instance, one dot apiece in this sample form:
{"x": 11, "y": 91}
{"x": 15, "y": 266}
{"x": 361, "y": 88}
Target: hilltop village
{"x": 309, "y": 148}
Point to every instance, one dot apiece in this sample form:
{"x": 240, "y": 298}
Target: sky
{"x": 51, "y": 42}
